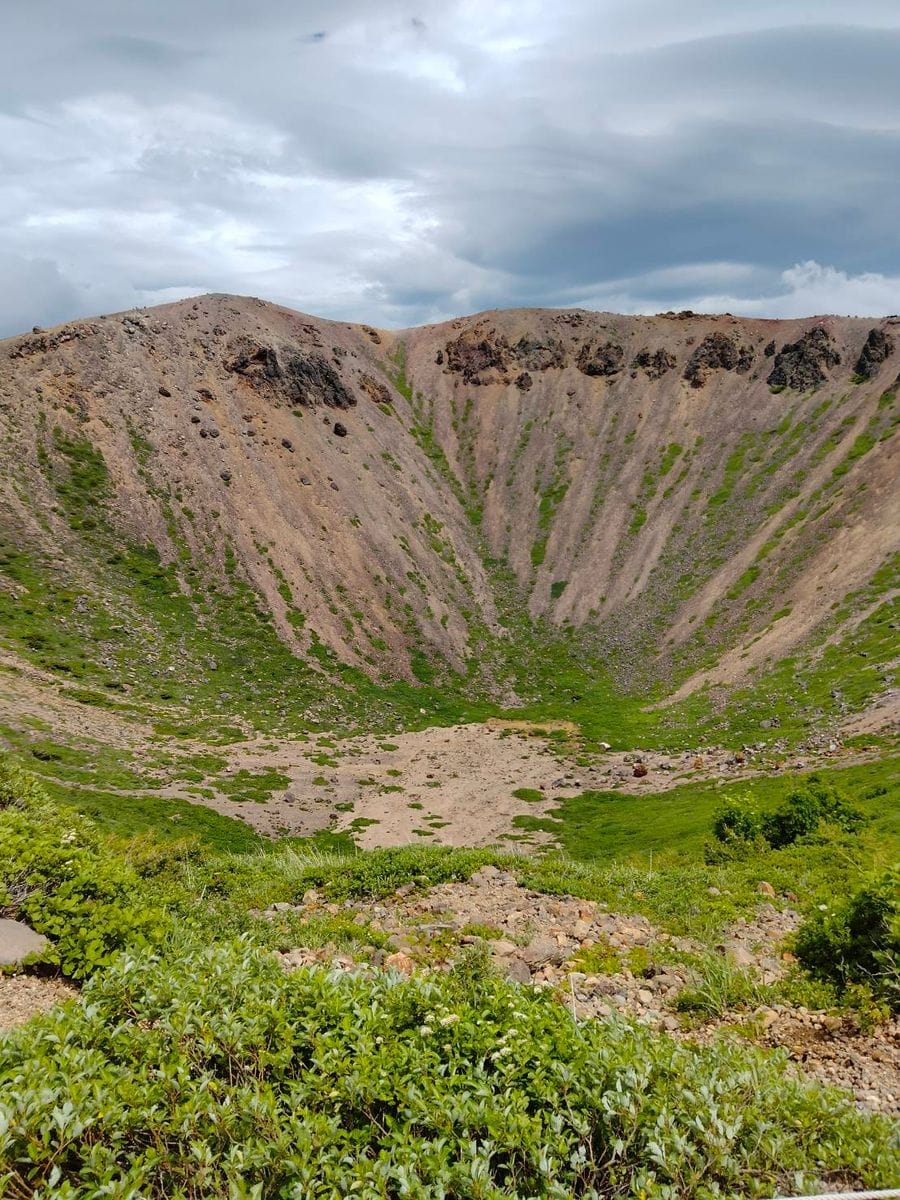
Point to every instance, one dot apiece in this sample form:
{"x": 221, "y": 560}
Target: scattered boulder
{"x": 288, "y": 444}
{"x": 541, "y": 950}
{"x": 339, "y": 429}
{"x": 18, "y": 941}
{"x": 163, "y": 391}
{"x": 765, "y": 889}
{"x": 514, "y": 968}
{"x": 399, "y": 961}
{"x": 717, "y": 352}
{"x": 879, "y": 346}
{"x": 225, "y": 476}
{"x": 804, "y": 364}
{"x": 524, "y": 382}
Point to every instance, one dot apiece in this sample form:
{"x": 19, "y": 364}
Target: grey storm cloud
{"x": 397, "y": 163}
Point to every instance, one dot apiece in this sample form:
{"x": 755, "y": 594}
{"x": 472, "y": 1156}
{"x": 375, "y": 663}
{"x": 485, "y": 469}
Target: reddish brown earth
{"x": 227, "y": 412}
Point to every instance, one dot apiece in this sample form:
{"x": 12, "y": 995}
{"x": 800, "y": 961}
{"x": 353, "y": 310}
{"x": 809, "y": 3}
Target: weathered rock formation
{"x": 805, "y": 364}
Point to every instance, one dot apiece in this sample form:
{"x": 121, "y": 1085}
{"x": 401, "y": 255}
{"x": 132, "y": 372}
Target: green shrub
{"x": 858, "y": 942}
{"x": 721, "y": 985}
{"x": 383, "y": 871}
{"x": 806, "y": 810}
{"x": 741, "y": 830}
{"x": 737, "y": 821}
{"x": 58, "y": 874}
{"x": 217, "y": 1076}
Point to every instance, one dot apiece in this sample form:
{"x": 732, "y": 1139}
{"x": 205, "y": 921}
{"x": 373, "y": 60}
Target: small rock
{"x": 399, "y": 962}
{"x": 18, "y": 941}
{"x": 543, "y": 950}
{"x": 503, "y": 947}
{"x": 741, "y": 956}
{"x": 767, "y": 1017}
{"x": 515, "y": 969}
{"x": 288, "y": 444}
{"x": 484, "y": 874}
{"x": 765, "y": 889}
{"x": 339, "y": 429}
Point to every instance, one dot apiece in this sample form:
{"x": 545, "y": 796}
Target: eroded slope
{"x": 223, "y": 507}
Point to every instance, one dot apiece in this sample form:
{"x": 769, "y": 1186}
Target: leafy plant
{"x": 56, "y": 873}
{"x": 806, "y": 810}
{"x": 857, "y": 942}
{"x": 721, "y": 985}
{"x": 215, "y": 1074}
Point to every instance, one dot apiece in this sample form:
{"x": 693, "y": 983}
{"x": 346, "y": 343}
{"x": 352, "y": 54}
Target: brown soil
{"x": 23, "y": 996}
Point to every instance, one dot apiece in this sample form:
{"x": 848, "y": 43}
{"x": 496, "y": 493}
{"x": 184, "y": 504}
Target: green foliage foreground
{"x": 192, "y": 1067}
{"x": 214, "y": 1074}
{"x": 58, "y": 874}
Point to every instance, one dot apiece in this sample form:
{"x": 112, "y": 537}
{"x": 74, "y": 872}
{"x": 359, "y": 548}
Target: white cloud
{"x": 347, "y": 157}
{"x": 810, "y": 289}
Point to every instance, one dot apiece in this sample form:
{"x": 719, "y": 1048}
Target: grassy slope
{"x": 605, "y": 826}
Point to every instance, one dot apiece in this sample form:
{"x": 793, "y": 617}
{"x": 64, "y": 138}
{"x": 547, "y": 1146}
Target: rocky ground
{"x": 602, "y": 963}
{"x": 455, "y": 786}
{"x": 24, "y": 996}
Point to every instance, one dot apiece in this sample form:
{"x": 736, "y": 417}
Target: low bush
{"x": 57, "y": 873}
{"x": 216, "y": 1075}
{"x": 721, "y": 985}
{"x": 379, "y": 874}
{"x": 858, "y": 941}
{"x": 806, "y": 812}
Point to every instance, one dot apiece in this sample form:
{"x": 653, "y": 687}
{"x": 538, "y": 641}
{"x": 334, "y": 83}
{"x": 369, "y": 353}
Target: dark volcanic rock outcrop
{"x": 606, "y": 360}
{"x": 717, "y": 352}
{"x": 471, "y": 355}
{"x": 535, "y": 355}
{"x": 374, "y": 389}
{"x": 654, "y": 363}
{"x": 805, "y": 364}
{"x": 486, "y": 357}
{"x": 306, "y": 380}
{"x": 878, "y": 348}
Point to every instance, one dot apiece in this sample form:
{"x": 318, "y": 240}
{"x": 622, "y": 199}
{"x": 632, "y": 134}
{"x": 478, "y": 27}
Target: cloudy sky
{"x": 400, "y": 161}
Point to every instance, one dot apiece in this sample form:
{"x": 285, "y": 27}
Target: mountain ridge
{"x": 445, "y": 502}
